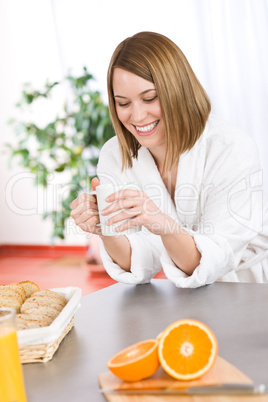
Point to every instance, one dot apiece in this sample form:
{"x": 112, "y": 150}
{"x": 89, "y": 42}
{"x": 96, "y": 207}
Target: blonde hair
{"x": 184, "y": 103}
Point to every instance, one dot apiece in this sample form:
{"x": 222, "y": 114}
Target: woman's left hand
{"x": 139, "y": 209}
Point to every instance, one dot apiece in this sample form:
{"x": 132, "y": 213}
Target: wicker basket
{"x": 43, "y": 352}
{"x": 40, "y": 344}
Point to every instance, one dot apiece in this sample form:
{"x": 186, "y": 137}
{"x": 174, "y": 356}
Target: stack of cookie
{"x": 35, "y": 308}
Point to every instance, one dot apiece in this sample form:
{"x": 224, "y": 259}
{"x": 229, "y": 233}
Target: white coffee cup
{"x": 102, "y": 192}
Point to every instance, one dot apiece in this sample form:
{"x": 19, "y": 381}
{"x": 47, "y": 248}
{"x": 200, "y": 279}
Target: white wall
{"x": 44, "y": 39}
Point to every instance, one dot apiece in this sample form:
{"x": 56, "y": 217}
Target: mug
{"x": 102, "y": 192}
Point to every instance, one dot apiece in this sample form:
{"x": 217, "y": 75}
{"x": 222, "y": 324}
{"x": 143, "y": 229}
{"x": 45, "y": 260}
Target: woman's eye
{"x": 150, "y": 100}
{"x": 123, "y": 104}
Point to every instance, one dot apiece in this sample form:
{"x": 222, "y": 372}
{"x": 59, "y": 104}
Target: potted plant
{"x": 68, "y": 146}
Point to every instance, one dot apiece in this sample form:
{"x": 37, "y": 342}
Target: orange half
{"x": 187, "y": 349}
{"x": 136, "y": 362}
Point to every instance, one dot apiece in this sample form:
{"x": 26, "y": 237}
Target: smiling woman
{"x": 138, "y": 109}
{"x": 192, "y": 168}
{"x": 183, "y": 102}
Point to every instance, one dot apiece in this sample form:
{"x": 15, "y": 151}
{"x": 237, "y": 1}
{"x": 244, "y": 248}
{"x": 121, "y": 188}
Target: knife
{"x": 223, "y": 389}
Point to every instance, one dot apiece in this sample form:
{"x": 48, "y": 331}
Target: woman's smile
{"x": 146, "y": 129}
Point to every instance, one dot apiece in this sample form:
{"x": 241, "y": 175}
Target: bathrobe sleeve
{"x": 145, "y": 259}
{"x": 231, "y": 213}
{"x": 146, "y": 247}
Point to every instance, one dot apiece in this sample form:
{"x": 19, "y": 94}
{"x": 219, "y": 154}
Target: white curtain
{"x": 233, "y": 47}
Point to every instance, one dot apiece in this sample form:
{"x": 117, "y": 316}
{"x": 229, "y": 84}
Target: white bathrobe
{"x": 218, "y": 200}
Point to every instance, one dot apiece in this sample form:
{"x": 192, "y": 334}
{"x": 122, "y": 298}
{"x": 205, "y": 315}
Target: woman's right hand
{"x": 85, "y": 211}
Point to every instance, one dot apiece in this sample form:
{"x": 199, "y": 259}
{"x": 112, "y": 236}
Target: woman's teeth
{"x": 146, "y": 129}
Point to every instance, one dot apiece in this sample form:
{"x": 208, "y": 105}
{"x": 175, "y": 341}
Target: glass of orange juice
{"x": 11, "y": 376}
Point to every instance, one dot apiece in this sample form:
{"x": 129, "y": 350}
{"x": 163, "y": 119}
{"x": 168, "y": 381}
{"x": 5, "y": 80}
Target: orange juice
{"x": 11, "y": 378}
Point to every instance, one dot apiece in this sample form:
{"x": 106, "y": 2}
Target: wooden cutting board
{"x": 221, "y": 372}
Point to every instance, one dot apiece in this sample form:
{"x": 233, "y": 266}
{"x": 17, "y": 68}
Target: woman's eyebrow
{"x": 142, "y": 93}
{"x": 147, "y": 90}
{"x": 119, "y": 96}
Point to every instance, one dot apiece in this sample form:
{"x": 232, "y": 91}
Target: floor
{"x": 53, "y": 268}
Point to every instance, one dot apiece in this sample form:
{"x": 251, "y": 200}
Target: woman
{"x": 200, "y": 210}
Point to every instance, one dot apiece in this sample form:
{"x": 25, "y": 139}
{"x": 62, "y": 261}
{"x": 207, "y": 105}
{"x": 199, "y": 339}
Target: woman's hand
{"x": 86, "y": 215}
{"x": 85, "y": 211}
{"x": 140, "y": 210}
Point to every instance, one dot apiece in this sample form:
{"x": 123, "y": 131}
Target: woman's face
{"x": 138, "y": 108}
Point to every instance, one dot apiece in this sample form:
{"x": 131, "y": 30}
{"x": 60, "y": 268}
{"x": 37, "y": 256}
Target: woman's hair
{"x": 184, "y": 103}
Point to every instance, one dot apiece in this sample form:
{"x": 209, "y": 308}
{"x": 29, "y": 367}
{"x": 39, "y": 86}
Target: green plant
{"x": 67, "y": 146}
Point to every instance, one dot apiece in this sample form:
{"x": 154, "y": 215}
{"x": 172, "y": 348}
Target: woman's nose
{"x": 138, "y": 113}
